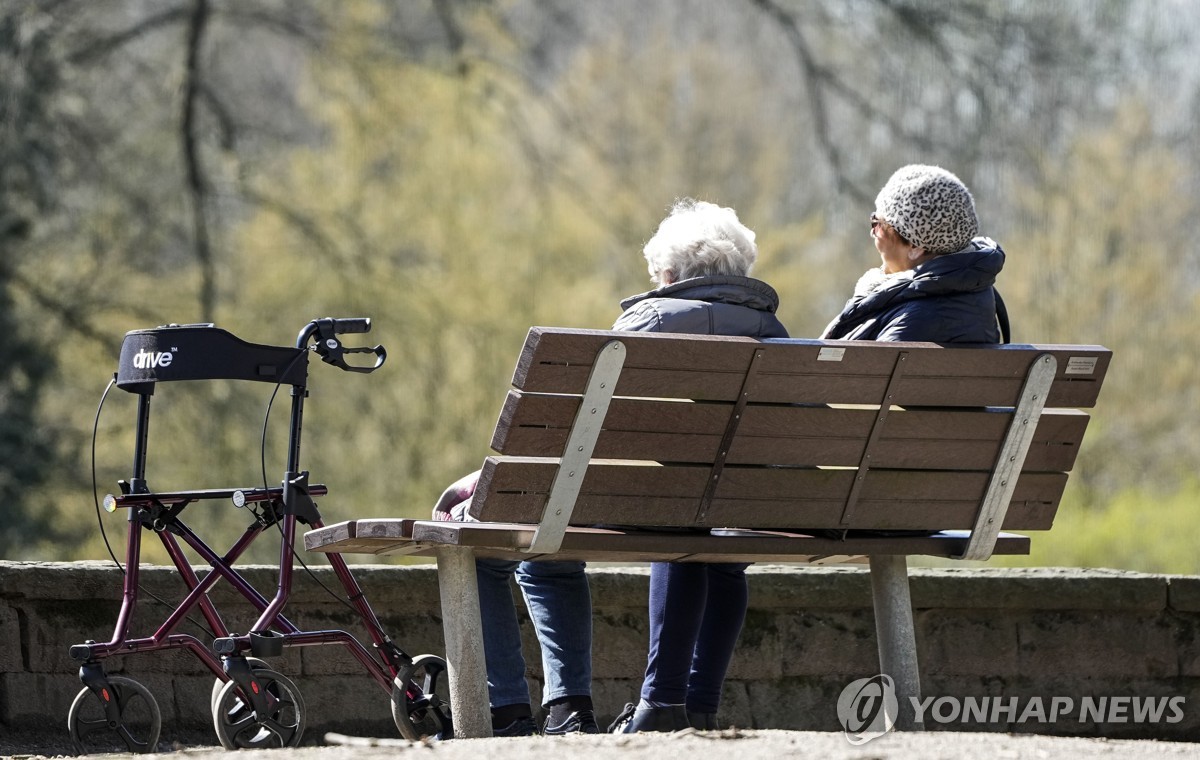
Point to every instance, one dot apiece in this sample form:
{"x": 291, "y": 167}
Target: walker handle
{"x": 331, "y": 349}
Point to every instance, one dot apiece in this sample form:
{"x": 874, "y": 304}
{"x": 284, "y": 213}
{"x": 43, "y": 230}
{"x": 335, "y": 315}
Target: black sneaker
{"x": 578, "y": 722}
{"x": 520, "y": 727}
{"x": 623, "y": 718}
{"x": 634, "y": 719}
{"x": 703, "y": 721}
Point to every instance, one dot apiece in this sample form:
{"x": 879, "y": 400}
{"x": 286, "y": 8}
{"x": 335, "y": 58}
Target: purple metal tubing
{"x": 318, "y": 638}
{"x": 383, "y": 674}
{"x": 198, "y": 595}
{"x": 171, "y": 498}
{"x": 174, "y": 641}
{"x": 222, "y": 567}
{"x": 284, "y": 588}
{"x": 133, "y": 550}
{"x": 357, "y": 598}
{"x": 119, "y": 643}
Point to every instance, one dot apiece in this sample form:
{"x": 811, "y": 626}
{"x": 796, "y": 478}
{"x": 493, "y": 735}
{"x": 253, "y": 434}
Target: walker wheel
{"x": 135, "y": 730}
{"x": 238, "y": 726}
{"x": 218, "y": 684}
{"x": 419, "y": 704}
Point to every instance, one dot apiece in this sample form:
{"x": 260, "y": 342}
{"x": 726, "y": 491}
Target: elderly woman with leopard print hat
{"x": 936, "y": 281}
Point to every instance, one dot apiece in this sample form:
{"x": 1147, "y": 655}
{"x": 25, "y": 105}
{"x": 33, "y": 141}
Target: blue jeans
{"x": 560, "y": 606}
{"x": 696, "y": 615}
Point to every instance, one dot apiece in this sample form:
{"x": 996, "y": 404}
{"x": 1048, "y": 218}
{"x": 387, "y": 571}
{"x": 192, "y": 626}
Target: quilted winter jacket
{"x": 948, "y": 299}
{"x": 713, "y": 305}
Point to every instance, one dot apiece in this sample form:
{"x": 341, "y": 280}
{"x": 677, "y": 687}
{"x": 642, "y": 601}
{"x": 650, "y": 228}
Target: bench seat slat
{"x": 664, "y": 365}
{"x": 537, "y": 425}
{"x": 507, "y": 541}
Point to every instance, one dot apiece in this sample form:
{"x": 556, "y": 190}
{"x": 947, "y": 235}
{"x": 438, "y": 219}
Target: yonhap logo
{"x": 867, "y": 708}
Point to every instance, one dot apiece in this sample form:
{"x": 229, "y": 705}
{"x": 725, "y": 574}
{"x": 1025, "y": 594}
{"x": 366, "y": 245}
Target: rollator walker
{"x": 253, "y": 705}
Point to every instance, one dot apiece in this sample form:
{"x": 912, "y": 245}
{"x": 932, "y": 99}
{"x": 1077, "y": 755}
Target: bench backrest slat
{"x": 819, "y": 372}
{"x": 646, "y": 495}
{"x": 674, "y": 431}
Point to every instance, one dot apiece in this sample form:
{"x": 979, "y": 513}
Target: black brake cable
{"x": 100, "y": 520}
{"x": 95, "y": 483}
{"x": 263, "y": 464}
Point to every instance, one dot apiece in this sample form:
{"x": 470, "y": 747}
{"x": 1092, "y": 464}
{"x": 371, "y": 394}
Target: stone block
{"x": 52, "y": 627}
{"x": 822, "y": 641}
{"x": 1183, "y": 593}
{"x": 735, "y": 704}
{"x": 796, "y": 704}
{"x": 11, "y": 658}
{"x": 760, "y": 648}
{"x": 966, "y": 642}
{"x": 798, "y": 588}
{"x": 620, "y": 641}
{"x": 1042, "y": 588}
{"x": 347, "y": 704}
{"x": 1096, "y": 644}
{"x": 1187, "y": 644}
{"x": 188, "y": 700}
{"x": 60, "y": 580}
{"x": 37, "y": 698}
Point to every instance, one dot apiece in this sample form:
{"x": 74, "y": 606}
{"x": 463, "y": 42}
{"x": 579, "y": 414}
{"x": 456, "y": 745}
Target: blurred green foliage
{"x": 1139, "y": 529}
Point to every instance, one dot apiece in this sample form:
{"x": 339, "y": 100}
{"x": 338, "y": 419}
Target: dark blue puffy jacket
{"x": 948, "y": 299}
{"x": 712, "y": 305}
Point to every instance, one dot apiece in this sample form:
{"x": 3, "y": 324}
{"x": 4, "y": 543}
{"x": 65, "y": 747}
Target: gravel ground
{"x": 730, "y": 744}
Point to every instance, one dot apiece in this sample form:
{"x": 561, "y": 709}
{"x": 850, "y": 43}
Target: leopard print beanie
{"x": 929, "y": 207}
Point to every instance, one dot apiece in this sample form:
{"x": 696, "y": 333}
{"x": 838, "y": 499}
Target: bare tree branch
{"x": 99, "y": 48}
{"x": 454, "y": 34}
{"x": 197, "y": 184}
{"x": 73, "y": 316}
{"x": 815, "y": 78}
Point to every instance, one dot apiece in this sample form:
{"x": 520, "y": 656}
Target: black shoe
{"x": 524, "y": 726}
{"x": 578, "y": 722}
{"x": 623, "y": 717}
{"x": 703, "y": 721}
{"x": 634, "y": 719}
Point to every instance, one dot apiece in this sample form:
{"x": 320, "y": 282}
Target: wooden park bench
{"x": 776, "y": 450}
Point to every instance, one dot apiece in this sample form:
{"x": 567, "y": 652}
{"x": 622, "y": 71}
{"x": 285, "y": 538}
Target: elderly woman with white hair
{"x": 699, "y": 260}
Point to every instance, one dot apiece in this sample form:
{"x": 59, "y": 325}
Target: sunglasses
{"x": 876, "y": 221}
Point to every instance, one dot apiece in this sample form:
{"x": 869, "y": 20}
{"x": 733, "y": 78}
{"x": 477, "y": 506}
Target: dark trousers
{"x": 696, "y": 615}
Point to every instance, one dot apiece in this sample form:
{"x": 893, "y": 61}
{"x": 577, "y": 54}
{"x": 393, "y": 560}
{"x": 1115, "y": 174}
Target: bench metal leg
{"x": 463, "y": 628}
{"x": 896, "y": 633}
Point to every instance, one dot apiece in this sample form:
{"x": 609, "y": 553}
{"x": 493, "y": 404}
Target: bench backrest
{"x": 789, "y": 434}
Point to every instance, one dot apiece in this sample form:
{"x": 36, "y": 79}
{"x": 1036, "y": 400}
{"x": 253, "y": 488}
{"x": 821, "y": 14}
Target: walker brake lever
{"x": 333, "y": 352}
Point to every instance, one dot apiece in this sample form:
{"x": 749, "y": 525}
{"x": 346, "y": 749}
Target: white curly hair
{"x": 699, "y": 238}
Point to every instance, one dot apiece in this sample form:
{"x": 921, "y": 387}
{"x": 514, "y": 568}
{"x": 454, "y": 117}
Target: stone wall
{"x": 1017, "y": 636}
